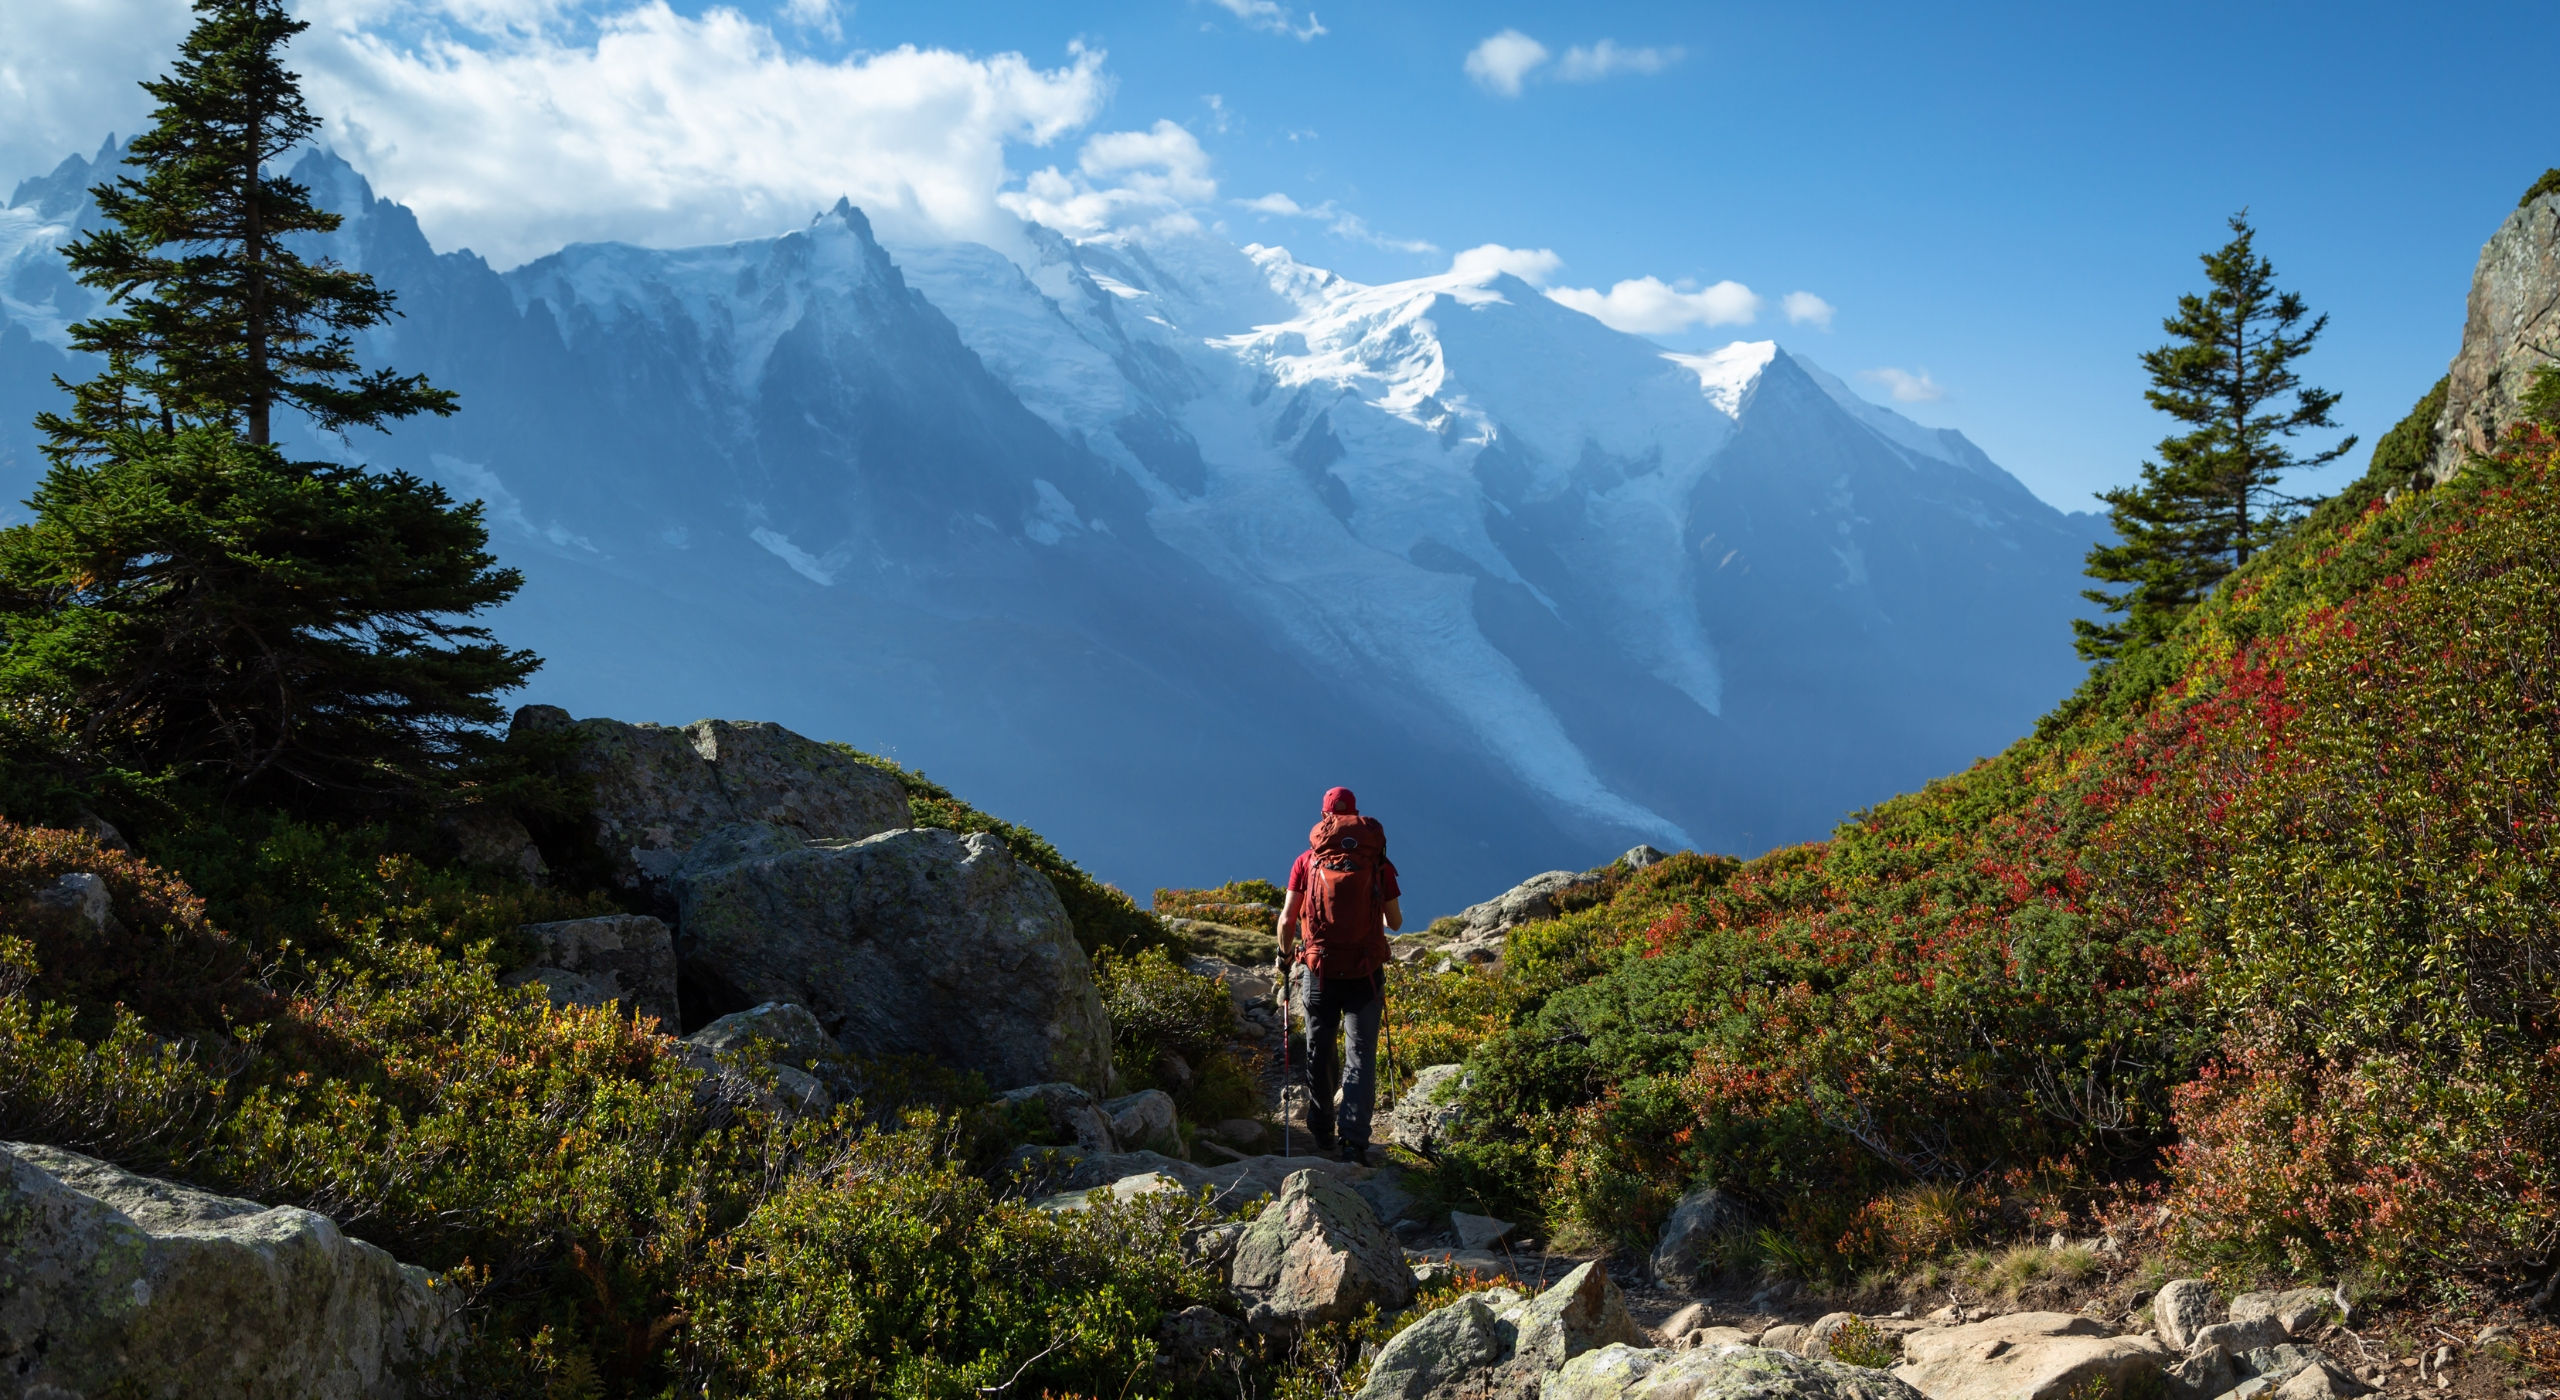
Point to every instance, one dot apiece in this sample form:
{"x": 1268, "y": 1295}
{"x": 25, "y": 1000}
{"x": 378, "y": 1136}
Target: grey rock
{"x": 494, "y": 841}
{"x": 2513, "y": 321}
{"x": 2299, "y": 1311}
{"x": 1624, "y": 1372}
{"x": 658, "y": 790}
{"x": 1787, "y": 1337}
{"x": 1816, "y": 1342}
{"x": 563, "y": 988}
{"x": 101, "y": 831}
{"x": 1071, "y": 1113}
{"x": 2201, "y": 1375}
{"x": 1143, "y": 1118}
{"x": 1684, "y": 1257}
{"x": 1641, "y": 857}
{"x": 1190, "y": 1335}
{"x": 2322, "y": 1379}
{"x": 2028, "y": 1356}
{"x": 1538, "y": 898}
{"x": 1127, "y": 1188}
{"x": 629, "y": 958}
{"x": 79, "y": 894}
{"x": 1214, "y": 1246}
{"x": 1478, "y": 1231}
{"x": 1384, "y": 1190}
{"x": 2180, "y": 1310}
{"x": 120, "y": 1284}
{"x": 792, "y": 1041}
{"x": 1445, "y": 1356}
{"x": 1317, "y": 1255}
{"x": 2277, "y": 1362}
{"x": 2238, "y": 1338}
{"x": 1424, "y": 1116}
{"x": 1584, "y": 1310}
{"x": 912, "y": 942}
{"x": 1243, "y": 1132}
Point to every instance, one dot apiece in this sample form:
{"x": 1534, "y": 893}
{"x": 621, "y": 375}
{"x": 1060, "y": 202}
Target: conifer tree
{"x": 189, "y": 603}
{"x": 216, "y": 319}
{"x": 2215, "y": 495}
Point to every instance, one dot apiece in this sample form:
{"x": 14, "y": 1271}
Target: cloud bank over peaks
{"x": 1120, "y": 178}
{"x": 1639, "y": 305}
{"x": 1341, "y": 223}
{"x": 1504, "y": 63}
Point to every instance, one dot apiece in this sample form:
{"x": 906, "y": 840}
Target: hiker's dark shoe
{"x": 1324, "y": 1139}
{"x": 1356, "y": 1152}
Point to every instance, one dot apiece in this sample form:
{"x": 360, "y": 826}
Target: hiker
{"x": 1342, "y": 899}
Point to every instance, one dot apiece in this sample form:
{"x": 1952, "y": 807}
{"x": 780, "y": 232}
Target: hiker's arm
{"x": 1288, "y": 921}
{"x": 1395, "y": 914}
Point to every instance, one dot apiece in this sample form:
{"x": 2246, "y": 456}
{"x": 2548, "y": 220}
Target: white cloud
{"x": 1605, "y": 59}
{"x": 1273, "y": 18}
{"x": 514, "y": 126}
{"x": 1535, "y": 266}
{"x": 1502, "y": 61}
{"x": 1906, "y": 386}
{"x": 1650, "y": 306}
{"x": 1806, "y": 309}
{"x": 1121, "y": 177}
{"x": 819, "y": 15}
{"x": 1339, "y": 222}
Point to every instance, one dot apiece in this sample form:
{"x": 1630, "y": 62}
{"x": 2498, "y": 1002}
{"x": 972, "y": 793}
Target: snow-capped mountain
{"x": 1149, "y": 538}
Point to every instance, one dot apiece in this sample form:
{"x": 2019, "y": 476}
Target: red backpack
{"x": 1346, "y": 902}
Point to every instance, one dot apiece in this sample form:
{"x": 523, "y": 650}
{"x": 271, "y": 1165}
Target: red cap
{"x": 1339, "y": 802}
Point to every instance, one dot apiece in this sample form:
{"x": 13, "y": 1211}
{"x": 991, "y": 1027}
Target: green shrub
{"x": 1160, "y": 1008}
{"x": 1859, "y": 1343}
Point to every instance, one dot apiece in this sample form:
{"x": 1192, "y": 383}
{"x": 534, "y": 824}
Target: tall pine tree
{"x": 2216, "y": 493}
{"x": 189, "y": 603}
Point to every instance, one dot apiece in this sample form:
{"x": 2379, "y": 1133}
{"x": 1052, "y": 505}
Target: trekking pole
{"x": 1284, "y": 1056}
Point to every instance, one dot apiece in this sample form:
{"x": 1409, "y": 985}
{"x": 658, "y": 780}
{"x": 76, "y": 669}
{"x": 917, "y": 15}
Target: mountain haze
{"x": 1149, "y": 538}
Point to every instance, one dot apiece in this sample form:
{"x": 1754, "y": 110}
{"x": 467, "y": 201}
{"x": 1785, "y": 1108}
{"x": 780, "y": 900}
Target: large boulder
{"x": 117, "y": 1284}
{"x": 1445, "y": 1356}
{"x": 2181, "y": 1309}
{"x": 2299, "y": 1311}
{"x": 1537, "y": 898}
{"x": 657, "y": 789}
{"x": 1583, "y": 1311}
{"x": 1424, "y": 1115}
{"x": 625, "y": 960}
{"x": 1144, "y": 1118}
{"x": 2514, "y": 316}
{"x": 2028, "y": 1356}
{"x": 1622, "y": 1372}
{"x": 1684, "y": 1258}
{"x": 1317, "y": 1255}
{"x": 914, "y": 942}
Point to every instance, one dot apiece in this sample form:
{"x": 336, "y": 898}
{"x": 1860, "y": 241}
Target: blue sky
{"x": 1995, "y": 203}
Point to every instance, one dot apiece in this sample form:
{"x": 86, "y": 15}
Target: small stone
{"x": 2181, "y": 1310}
{"x": 1478, "y": 1231}
{"x": 1243, "y": 1132}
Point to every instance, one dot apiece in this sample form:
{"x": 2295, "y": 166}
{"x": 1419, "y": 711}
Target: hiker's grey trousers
{"x": 1344, "y": 1010}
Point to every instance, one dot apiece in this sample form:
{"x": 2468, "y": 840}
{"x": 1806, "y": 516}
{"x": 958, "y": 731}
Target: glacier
{"x": 1146, "y": 538}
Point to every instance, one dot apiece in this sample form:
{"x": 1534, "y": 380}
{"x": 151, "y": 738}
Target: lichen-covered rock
{"x": 2028, "y": 1356}
{"x": 1448, "y": 1355}
{"x": 2238, "y": 1337}
{"x": 2299, "y": 1311}
{"x": 2201, "y": 1375}
{"x": 623, "y": 959}
{"x": 1622, "y": 1372}
{"x": 2514, "y": 317}
{"x": 2180, "y": 1310}
{"x": 1537, "y": 898}
{"x": 658, "y": 790}
{"x": 1582, "y": 1311}
{"x": 1317, "y": 1255}
{"x": 912, "y": 942}
{"x": 1424, "y": 1115}
{"x": 117, "y": 1284}
{"x": 1685, "y": 1255}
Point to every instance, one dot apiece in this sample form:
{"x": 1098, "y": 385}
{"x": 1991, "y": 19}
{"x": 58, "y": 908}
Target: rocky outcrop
{"x": 1537, "y": 898}
{"x": 658, "y": 790}
{"x": 1642, "y": 856}
{"x": 1718, "y": 1373}
{"x": 117, "y": 1284}
{"x": 2513, "y": 329}
{"x": 625, "y": 960}
{"x": 1684, "y": 1258}
{"x": 1445, "y": 1355}
{"x": 1425, "y": 1114}
{"x": 1583, "y": 1311}
{"x": 1317, "y": 1255}
{"x": 913, "y": 942}
{"x": 2028, "y": 1356}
